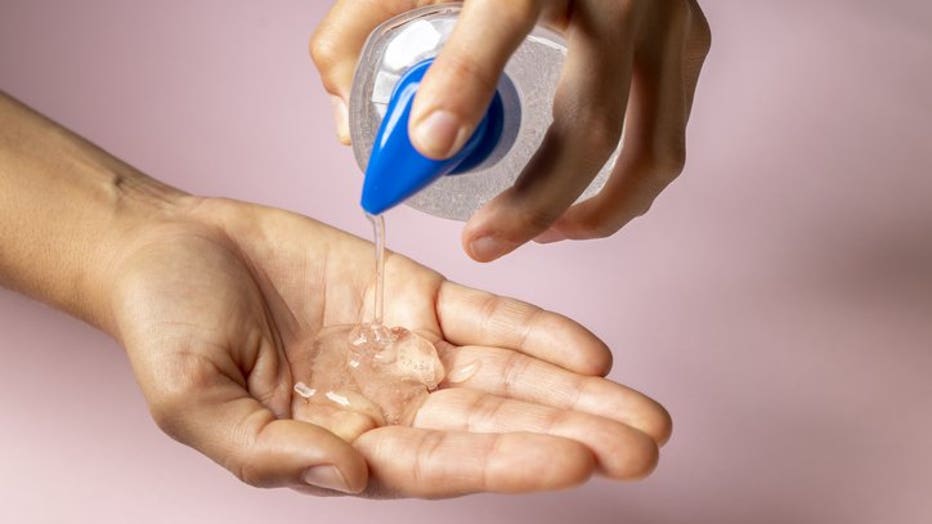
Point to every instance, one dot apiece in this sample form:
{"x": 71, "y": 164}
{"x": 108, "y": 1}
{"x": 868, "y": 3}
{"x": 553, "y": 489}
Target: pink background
{"x": 778, "y": 298}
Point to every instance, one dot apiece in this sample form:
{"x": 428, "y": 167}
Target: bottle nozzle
{"x": 396, "y": 170}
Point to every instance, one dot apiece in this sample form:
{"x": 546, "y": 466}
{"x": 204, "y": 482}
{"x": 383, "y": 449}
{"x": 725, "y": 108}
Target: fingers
{"x": 461, "y": 82}
{"x": 337, "y": 42}
{"x": 622, "y": 452}
{"x": 215, "y": 415}
{"x": 589, "y": 111}
{"x": 510, "y": 374}
{"x": 471, "y": 317}
{"x": 666, "y": 73}
{"x": 409, "y": 462}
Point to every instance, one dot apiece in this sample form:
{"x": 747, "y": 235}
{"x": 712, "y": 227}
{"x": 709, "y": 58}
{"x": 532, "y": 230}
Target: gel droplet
{"x": 303, "y": 390}
{"x": 463, "y": 373}
{"x": 383, "y": 373}
{"x": 369, "y": 375}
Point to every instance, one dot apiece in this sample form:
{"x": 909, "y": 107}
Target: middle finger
{"x": 588, "y": 116}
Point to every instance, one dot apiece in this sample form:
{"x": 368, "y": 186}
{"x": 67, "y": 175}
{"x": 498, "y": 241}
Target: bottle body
{"x": 526, "y": 91}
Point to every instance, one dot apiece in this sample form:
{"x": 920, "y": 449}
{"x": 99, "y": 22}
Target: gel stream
{"x": 368, "y": 375}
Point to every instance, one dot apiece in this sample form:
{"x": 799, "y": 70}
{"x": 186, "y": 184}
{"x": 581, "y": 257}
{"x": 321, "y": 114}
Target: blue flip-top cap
{"x": 396, "y": 170}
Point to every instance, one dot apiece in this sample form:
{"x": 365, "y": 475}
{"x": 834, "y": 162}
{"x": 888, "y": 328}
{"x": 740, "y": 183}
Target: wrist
{"x": 67, "y": 209}
{"x": 137, "y": 205}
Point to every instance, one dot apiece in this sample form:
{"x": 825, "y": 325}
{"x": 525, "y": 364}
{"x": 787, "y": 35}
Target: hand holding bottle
{"x": 632, "y": 64}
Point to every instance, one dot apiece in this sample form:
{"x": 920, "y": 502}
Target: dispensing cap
{"x": 396, "y": 170}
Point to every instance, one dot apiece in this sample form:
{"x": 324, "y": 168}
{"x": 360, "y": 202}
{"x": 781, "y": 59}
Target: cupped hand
{"x": 211, "y": 305}
{"x": 631, "y": 64}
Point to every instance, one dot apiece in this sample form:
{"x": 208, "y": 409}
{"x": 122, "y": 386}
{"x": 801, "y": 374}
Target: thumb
{"x": 225, "y": 423}
{"x": 459, "y": 86}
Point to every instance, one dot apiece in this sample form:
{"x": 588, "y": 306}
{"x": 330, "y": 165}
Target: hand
{"x": 628, "y": 59}
{"x": 210, "y": 305}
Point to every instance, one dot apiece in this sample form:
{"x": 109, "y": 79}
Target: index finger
{"x": 472, "y": 317}
{"x": 459, "y": 85}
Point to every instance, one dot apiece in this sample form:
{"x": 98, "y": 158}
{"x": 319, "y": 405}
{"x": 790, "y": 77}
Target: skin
{"x": 631, "y": 64}
{"x": 211, "y": 297}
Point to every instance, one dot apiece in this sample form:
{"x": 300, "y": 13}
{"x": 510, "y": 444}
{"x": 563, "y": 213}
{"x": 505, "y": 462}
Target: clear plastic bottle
{"x": 526, "y": 90}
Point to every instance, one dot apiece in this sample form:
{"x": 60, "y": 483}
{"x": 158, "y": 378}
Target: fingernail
{"x": 341, "y": 117}
{"x": 439, "y": 135}
{"x": 550, "y": 236}
{"x": 327, "y": 477}
{"x": 488, "y": 248}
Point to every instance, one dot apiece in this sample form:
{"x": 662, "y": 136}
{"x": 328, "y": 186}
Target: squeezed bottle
{"x": 391, "y": 66}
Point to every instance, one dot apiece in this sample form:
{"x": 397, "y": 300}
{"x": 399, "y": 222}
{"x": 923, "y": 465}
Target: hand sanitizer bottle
{"x": 391, "y": 66}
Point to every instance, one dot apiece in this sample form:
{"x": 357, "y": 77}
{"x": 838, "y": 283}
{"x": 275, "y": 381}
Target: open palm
{"x": 211, "y": 308}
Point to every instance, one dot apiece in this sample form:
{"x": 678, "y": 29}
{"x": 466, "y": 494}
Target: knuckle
{"x": 324, "y": 52}
{"x": 675, "y": 160}
{"x": 701, "y": 32}
{"x": 639, "y": 207}
{"x": 604, "y": 132}
{"x": 603, "y": 229}
{"x": 595, "y": 125}
{"x": 702, "y": 38}
{"x": 668, "y": 160}
{"x": 596, "y": 225}
{"x": 534, "y": 220}
{"x": 642, "y": 209}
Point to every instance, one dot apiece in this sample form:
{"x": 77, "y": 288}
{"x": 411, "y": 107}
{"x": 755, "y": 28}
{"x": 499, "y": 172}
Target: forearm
{"x": 66, "y": 206}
